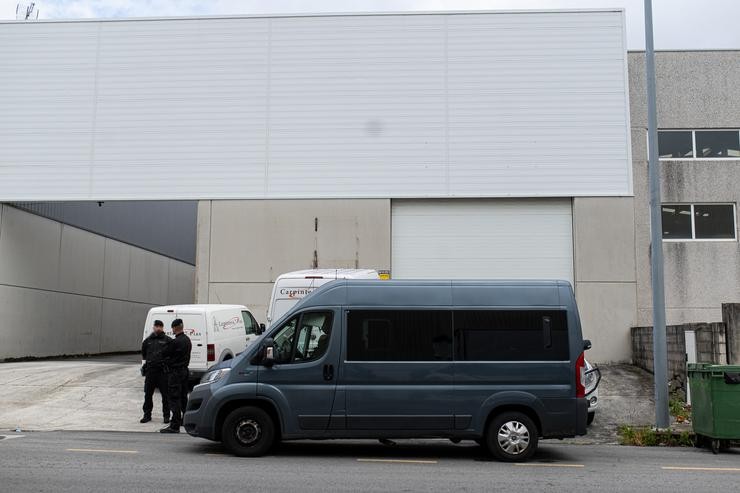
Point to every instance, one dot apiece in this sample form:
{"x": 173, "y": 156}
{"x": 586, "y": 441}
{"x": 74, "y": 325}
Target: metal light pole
{"x": 660, "y": 351}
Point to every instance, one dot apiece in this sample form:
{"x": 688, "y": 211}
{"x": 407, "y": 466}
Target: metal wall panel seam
{"x": 627, "y": 115}
{"x": 268, "y": 112}
{"x": 93, "y": 127}
{"x": 447, "y": 105}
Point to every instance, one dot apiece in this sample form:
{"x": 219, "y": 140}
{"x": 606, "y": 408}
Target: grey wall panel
{"x": 149, "y": 278}
{"x": 607, "y": 310}
{"x": 29, "y": 250}
{"x": 122, "y": 325}
{"x": 345, "y": 106}
{"x": 117, "y": 274}
{"x": 203, "y": 252}
{"x": 181, "y": 280}
{"x": 82, "y": 262}
{"x": 46, "y": 323}
{"x": 604, "y": 239}
{"x": 256, "y": 241}
{"x": 255, "y": 295}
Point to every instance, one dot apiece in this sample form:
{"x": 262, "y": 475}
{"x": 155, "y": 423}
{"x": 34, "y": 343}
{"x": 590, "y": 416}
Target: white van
{"x": 217, "y": 332}
{"x": 291, "y": 287}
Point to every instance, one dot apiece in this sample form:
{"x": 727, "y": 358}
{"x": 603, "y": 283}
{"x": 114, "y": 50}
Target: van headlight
{"x": 215, "y": 375}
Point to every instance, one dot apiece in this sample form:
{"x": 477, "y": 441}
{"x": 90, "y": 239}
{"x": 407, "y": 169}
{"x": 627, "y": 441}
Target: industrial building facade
{"x": 447, "y": 145}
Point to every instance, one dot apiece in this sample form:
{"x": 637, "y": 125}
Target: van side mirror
{"x": 586, "y": 344}
{"x": 268, "y": 346}
{"x": 260, "y": 329}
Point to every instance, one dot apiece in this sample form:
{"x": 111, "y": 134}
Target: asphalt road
{"x": 100, "y": 461}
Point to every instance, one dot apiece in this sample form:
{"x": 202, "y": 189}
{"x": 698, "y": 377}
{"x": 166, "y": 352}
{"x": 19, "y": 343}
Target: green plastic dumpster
{"x": 715, "y": 404}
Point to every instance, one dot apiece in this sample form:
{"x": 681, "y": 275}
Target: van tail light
{"x": 581, "y": 376}
{"x": 211, "y": 353}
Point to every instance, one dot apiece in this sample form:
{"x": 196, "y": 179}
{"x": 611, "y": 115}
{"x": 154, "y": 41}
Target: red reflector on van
{"x": 211, "y": 352}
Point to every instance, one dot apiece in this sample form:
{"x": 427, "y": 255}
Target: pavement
{"x": 97, "y": 393}
{"x": 114, "y": 462}
{"x": 107, "y": 392}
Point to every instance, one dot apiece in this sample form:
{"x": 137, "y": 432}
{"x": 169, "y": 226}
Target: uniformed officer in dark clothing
{"x": 177, "y": 359}
{"x": 152, "y": 350}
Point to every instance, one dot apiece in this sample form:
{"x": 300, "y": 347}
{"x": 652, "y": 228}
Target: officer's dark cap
{"x": 158, "y": 323}
{"x": 176, "y": 322}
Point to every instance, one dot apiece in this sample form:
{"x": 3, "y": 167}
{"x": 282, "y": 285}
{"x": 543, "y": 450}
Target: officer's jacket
{"x": 177, "y": 352}
{"x": 152, "y": 349}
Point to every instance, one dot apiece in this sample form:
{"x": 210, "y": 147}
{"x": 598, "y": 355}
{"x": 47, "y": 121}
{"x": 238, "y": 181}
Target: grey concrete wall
{"x": 695, "y": 90}
{"x": 243, "y": 245}
{"x": 711, "y": 347}
{"x": 604, "y": 262}
{"x": 68, "y": 291}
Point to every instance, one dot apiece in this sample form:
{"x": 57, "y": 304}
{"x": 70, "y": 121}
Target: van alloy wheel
{"x": 513, "y": 437}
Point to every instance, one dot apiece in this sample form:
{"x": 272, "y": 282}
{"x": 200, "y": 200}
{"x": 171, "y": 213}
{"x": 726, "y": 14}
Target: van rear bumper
{"x": 581, "y": 416}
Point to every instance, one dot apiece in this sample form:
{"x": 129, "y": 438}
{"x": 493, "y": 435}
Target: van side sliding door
{"x": 398, "y": 371}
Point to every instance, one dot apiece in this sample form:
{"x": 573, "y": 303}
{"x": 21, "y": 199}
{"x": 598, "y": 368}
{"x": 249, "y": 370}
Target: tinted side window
{"x": 511, "y": 335}
{"x": 399, "y": 335}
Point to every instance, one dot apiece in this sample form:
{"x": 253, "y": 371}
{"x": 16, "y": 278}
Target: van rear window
{"x": 511, "y": 335}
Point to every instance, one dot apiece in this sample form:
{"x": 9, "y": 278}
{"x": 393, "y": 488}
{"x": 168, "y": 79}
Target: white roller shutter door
{"x": 482, "y": 239}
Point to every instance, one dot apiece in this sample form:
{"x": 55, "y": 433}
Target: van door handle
{"x": 328, "y": 372}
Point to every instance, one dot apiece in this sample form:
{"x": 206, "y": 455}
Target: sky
{"x": 678, "y": 24}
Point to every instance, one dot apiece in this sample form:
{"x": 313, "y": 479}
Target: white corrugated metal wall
{"x": 407, "y": 105}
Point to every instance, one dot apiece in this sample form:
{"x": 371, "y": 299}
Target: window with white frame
{"x": 699, "y": 144}
{"x": 687, "y": 222}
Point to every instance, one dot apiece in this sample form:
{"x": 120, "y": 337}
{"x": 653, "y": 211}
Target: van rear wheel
{"x": 248, "y": 432}
{"x": 512, "y": 437}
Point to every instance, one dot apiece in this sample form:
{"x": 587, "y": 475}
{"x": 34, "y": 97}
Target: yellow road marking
{"x": 536, "y": 464}
{"x": 107, "y": 451}
{"x": 711, "y": 469}
{"x": 399, "y": 461}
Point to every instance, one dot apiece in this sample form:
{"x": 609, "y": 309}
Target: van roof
{"x": 198, "y": 308}
{"x": 330, "y": 274}
{"x": 545, "y": 292}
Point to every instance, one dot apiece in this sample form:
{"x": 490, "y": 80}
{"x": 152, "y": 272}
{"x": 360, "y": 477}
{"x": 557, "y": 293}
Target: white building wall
{"x": 67, "y": 291}
{"x": 349, "y": 106}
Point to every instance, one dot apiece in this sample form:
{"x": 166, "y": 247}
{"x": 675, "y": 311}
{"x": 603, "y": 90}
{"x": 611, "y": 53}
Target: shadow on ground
{"x": 403, "y": 450}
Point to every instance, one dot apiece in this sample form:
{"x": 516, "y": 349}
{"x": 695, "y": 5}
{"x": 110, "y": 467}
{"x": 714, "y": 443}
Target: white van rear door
{"x": 195, "y": 328}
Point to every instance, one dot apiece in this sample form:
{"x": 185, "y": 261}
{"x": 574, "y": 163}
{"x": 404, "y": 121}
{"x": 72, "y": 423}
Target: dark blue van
{"x": 498, "y": 362}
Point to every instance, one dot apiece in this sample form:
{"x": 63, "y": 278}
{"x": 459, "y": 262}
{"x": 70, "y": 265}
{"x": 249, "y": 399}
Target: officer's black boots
{"x": 166, "y": 419}
{"x": 169, "y": 430}
{"x": 146, "y": 418}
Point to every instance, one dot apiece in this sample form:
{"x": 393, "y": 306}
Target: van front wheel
{"x": 512, "y": 437}
{"x": 248, "y": 432}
